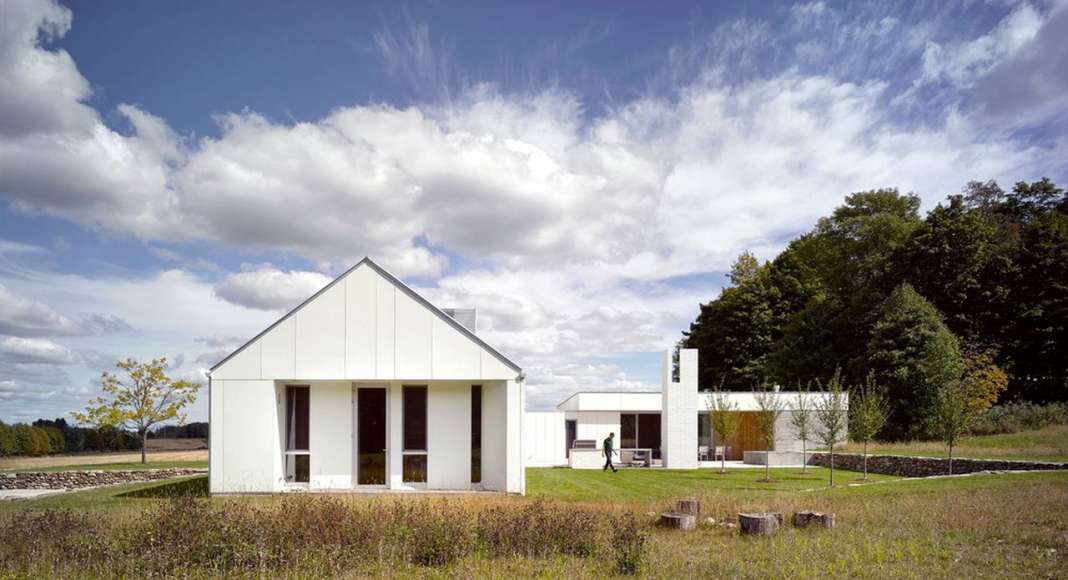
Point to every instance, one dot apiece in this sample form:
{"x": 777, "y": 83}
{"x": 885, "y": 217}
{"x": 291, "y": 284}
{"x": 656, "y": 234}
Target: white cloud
{"x": 575, "y": 221}
{"x": 26, "y": 317}
{"x": 34, "y": 350}
{"x": 267, "y": 288}
{"x": 962, "y": 63}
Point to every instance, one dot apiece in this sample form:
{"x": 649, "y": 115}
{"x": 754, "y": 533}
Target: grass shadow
{"x": 191, "y": 487}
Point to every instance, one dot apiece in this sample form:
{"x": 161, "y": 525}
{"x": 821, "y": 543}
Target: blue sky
{"x": 174, "y": 176}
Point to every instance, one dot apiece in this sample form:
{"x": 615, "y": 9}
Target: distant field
{"x": 161, "y": 453}
{"x": 1047, "y": 444}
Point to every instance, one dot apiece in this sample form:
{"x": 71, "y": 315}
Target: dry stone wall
{"x": 76, "y": 479}
{"x": 925, "y": 466}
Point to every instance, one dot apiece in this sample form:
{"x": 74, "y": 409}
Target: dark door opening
{"x": 571, "y": 430}
{"x": 371, "y": 436}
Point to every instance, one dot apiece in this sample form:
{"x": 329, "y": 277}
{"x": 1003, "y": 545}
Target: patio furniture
{"x": 702, "y": 453}
{"x": 721, "y": 453}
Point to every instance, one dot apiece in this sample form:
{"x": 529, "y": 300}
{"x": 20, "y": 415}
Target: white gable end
{"x": 366, "y": 325}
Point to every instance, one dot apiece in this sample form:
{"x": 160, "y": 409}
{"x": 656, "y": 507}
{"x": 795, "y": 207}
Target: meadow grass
{"x": 982, "y": 526}
{"x": 1046, "y": 444}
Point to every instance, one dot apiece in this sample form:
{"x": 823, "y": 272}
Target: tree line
{"x": 974, "y": 293}
{"x": 48, "y": 437}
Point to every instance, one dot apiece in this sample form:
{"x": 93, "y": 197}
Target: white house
{"x": 366, "y": 385}
{"x": 673, "y": 424}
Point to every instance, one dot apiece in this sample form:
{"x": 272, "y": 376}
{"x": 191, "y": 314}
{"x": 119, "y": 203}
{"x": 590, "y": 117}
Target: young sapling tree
{"x": 831, "y": 415}
{"x": 770, "y": 408}
{"x": 723, "y": 415}
{"x": 868, "y": 409}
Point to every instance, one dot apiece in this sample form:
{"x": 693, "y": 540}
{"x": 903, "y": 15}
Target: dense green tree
{"x": 8, "y": 444}
{"x": 958, "y": 262}
{"x": 913, "y": 354}
{"x": 735, "y": 331}
{"x": 32, "y": 441}
{"x": 1035, "y": 343}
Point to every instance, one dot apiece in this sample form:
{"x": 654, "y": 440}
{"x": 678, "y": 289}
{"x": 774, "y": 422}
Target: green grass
{"x": 641, "y": 485}
{"x": 134, "y": 466}
{"x": 1046, "y": 444}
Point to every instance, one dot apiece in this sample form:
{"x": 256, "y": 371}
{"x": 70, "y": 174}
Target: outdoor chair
{"x": 702, "y": 453}
{"x": 721, "y": 453}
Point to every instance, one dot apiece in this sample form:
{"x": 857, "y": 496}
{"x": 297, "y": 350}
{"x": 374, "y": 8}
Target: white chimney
{"x": 467, "y": 317}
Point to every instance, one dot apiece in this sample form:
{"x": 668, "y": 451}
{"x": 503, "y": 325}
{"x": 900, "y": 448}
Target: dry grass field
{"x": 979, "y": 526}
{"x": 165, "y": 452}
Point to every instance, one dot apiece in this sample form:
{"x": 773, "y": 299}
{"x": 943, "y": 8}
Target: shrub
{"x": 1014, "y": 417}
{"x": 628, "y": 542}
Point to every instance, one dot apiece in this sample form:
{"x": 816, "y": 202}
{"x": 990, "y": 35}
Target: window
{"x": 298, "y": 460}
{"x": 704, "y": 430}
{"x": 476, "y": 433}
{"x": 414, "y": 436}
{"x": 628, "y": 436}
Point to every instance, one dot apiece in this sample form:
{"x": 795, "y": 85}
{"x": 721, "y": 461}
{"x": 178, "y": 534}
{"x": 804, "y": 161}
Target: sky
{"x": 175, "y": 176}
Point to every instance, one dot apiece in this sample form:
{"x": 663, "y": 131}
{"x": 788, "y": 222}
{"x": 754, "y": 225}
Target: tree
{"x": 735, "y": 331}
{"x": 770, "y": 406}
{"x": 31, "y": 441}
{"x": 723, "y": 415}
{"x": 145, "y": 397}
{"x": 831, "y": 414}
{"x": 744, "y": 269}
{"x": 913, "y": 354}
{"x": 868, "y": 409}
{"x": 954, "y": 414}
{"x": 802, "y": 421}
{"x": 8, "y": 443}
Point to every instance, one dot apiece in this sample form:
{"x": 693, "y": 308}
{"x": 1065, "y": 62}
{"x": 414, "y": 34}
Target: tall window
{"x": 414, "y": 462}
{"x": 628, "y": 436}
{"x": 704, "y": 429}
{"x": 298, "y": 460}
{"x": 476, "y": 433}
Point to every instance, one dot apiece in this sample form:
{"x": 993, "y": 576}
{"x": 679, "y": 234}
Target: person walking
{"x": 609, "y": 449}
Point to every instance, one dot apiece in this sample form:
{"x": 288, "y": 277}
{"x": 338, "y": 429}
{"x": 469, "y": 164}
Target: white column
{"x": 395, "y": 446}
{"x": 678, "y": 420}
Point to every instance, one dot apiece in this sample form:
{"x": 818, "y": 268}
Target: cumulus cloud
{"x": 25, "y": 317}
{"x": 570, "y": 225}
{"x": 267, "y": 288}
{"x": 34, "y": 350}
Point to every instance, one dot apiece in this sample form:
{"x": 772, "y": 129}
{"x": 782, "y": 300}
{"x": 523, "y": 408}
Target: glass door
{"x": 371, "y": 436}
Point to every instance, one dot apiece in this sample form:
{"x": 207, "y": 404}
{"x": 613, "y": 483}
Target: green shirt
{"x": 608, "y": 445}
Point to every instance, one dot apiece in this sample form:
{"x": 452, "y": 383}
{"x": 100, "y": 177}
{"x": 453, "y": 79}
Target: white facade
{"x": 596, "y": 414}
{"x": 366, "y": 329}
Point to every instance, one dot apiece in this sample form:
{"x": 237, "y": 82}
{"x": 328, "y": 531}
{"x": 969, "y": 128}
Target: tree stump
{"x": 688, "y": 506}
{"x": 678, "y": 521}
{"x": 813, "y": 519}
{"x": 759, "y": 524}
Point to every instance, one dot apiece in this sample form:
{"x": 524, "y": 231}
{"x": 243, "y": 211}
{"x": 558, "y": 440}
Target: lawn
{"x": 644, "y": 485}
{"x": 988, "y": 525}
{"x": 1047, "y": 444}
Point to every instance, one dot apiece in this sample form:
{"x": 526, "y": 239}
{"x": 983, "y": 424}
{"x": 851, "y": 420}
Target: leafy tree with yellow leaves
{"x": 145, "y": 397}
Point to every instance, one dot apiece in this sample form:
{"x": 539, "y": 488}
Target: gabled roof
{"x": 404, "y": 288}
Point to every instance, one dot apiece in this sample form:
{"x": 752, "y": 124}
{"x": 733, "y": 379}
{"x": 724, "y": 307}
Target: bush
{"x": 628, "y": 541}
{"x": 1014, "y": 417}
